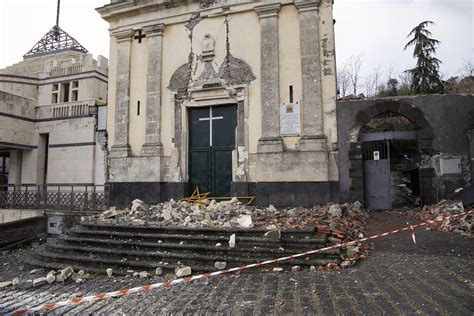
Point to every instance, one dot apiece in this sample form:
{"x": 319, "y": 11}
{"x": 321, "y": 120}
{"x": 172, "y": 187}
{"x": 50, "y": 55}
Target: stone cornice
{"x": 307, "y": 5}
{"x": 154, "y": 30}
{"x": 269, "y": 10}
{"x": 123, "y": 35}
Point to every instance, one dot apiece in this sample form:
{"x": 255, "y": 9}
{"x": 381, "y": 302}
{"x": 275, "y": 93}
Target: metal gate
{"x": 211, "y": 142}
{"x": 376, "y": 159}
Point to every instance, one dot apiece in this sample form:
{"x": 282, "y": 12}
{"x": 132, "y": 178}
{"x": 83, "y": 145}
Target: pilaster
{"x": 153, "y": 145}
{"x": 121, "y": 147}
{"x": 269, "y": 78}
{"x": 313, "y": 130}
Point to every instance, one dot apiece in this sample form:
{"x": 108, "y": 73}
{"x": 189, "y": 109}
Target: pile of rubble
{"x": 345, "y": 219}
{"x": 59, "y": 276}
{"x": 462, "y": 225}
{"x": 340, "y": 223}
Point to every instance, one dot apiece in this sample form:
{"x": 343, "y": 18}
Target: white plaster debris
{"x": 40, "y": 281}
{"x": 15, "y": 281}
{"x": 274, "y": 234}
{"x": 182, "y": 272}
{"x": 220, "y": 265}
{"x": 277, "y": 269}
{"x": 109, "y": 272}
{"x": 51, "y": 277}
{"x": 5, "y": 284}
{"x": 144, "y": 274}
{"x": 66, "y": 273}
{"x": 232, "y": 241}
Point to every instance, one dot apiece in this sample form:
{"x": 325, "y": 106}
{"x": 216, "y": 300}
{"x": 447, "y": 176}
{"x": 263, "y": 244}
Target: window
{"x": 54, "y": 93}
{"x": 65, "y": 92}
{"x": 74, "y": 90}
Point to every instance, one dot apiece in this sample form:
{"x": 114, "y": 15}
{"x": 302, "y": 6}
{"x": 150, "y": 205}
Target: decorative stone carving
{"x": 207, "y": 47}
{"x": 180, "y": 80}
{"x": 204, "y": 4}
{"x": 235, "y": 71}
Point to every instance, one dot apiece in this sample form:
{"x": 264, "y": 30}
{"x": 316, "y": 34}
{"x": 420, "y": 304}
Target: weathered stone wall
{"x": 443, "y": 122}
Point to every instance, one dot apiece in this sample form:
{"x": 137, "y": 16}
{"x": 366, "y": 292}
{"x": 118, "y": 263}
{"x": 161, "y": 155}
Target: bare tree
{"x": 372, "y": 81}
{"x": 467, "y": 69}
{"x": 343, "y": 81}
{"x": 353, "y": 66}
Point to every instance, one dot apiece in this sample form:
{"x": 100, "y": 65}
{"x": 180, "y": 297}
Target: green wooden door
{"x": 211, "y": 141}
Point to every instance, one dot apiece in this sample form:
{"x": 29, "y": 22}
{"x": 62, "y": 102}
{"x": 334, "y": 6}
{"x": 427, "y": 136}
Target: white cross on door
{"x": 210, "y": 119}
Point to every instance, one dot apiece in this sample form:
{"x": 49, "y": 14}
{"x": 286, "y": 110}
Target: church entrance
{"x": 211, "y": 142}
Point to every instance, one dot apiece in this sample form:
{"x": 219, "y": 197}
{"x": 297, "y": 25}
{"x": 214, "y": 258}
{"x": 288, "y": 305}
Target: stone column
{"x": 313, "y": 133}
{"x": 269, "y": 78}
{"x": 121, "y": 147}
{"x": 153, "y": 145}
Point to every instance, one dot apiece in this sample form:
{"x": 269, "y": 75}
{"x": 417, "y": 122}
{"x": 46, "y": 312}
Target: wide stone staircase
{"x": 96, "y": 247}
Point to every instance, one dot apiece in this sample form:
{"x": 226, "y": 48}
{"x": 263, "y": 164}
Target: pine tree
{"x": 425, "y": 76}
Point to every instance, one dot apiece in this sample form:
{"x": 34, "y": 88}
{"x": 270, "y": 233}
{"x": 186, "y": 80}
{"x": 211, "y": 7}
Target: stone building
{"x": 48, "y": 117}
{"x": 236, "y": 97}
{"x": 395, "y": 151}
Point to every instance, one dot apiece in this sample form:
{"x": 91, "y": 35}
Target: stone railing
{"x": 56, "y": 72}
{"x": 68, "y": 109}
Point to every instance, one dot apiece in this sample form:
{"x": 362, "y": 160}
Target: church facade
{"x": 235, "y": 97}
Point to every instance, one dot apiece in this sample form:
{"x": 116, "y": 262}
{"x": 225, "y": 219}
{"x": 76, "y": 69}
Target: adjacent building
{"x": 50, "y": 134}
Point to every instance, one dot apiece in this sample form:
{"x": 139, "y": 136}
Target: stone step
{"x": 100, "y": 264}
{"x": 256, "y": 247}
{"x": 200, "y": 238}
{"x": 205, "y": 231}
{"x": 96, "y": 247}
{"x": 177, "y": 254}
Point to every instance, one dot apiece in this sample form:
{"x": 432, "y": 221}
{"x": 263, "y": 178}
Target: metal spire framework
{"x": 56, "y": 40}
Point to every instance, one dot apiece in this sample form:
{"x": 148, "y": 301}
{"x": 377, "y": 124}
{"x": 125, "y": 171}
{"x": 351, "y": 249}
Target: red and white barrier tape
{"x": 143, "y": 288}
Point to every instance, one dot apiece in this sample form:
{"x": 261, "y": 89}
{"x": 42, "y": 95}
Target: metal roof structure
{"x": 56, "y": 40}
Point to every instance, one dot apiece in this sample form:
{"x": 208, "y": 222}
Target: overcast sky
{"x": 375, "y": 29}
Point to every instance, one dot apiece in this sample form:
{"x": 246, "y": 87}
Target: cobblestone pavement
{"x": 433, "y": 277}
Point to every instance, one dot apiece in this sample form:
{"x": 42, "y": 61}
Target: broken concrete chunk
{"x": 335, "y": 210}
{"x": 60, "y": 278}
{"x": 67, "y": 272}
{"x": 273, "y": 234}
{"x": 139, "y": 206}
{"x": 271, "y": 227}
{"x": 220, "y": 265}
{"x": 144, "y": 274}
{"x": 245, "y": 221}
{"x": 158, "y": 271}
{"x": 79, "y": 280}
{"x": 51, "y": 277}
{"x": 136, "y": 274}
{"x": 40, "y": 281}
{"x": 109, "y": 272}
{"x": 232, "y": 241}
{"x": 218, "y": 244}
{"x": 81, "y": 273}
{"x": 277, "y": 269}
{"x": 182, "y": 272}
{"x": 295, "y": 268}
{"x": 15, "y": 281}
{"x": 312, "y": 268}
{"x": 5, "y": 284}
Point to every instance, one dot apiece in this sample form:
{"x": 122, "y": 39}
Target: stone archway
{"x": 424, "y": 140}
